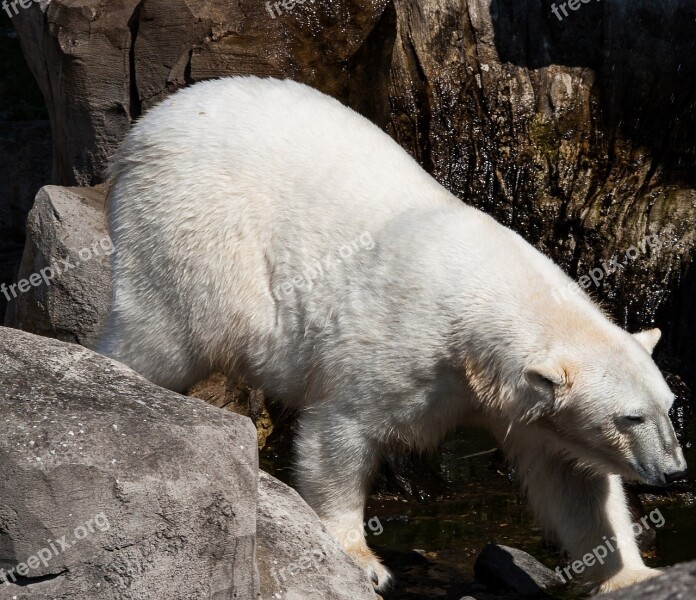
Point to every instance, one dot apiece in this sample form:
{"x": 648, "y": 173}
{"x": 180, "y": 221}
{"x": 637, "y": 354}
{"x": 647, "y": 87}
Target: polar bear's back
{"x": 283, "y": 137}
{"x": 227, "y": 186}
{"x": 262, "y": 157}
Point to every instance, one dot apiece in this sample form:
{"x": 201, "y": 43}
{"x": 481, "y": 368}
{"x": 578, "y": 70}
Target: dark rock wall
{"x": 578, "y": 134}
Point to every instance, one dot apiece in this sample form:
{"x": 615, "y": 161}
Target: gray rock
{"x": 297, "y": 558}
{"x": 152, "y": 495}
{"x": 154, "y": 492}
{"x": 677, "y": 583}
{"x": 501, "y": 567}
{"x": 65, "y": 224}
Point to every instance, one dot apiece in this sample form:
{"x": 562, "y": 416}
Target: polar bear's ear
{"x": 648, "y": 338}
{"x": 545, "y": 380}
{"x": 543, "y": 377}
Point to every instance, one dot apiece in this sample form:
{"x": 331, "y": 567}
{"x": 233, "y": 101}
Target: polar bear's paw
{"x": 378, "y": 574}
{"x": 625, "y": 578}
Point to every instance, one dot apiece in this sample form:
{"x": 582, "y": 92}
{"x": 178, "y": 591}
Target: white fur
{"x": 231, "y": 188}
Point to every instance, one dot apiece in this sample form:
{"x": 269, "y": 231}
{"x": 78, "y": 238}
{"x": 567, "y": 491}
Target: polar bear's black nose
{"x": 676, "y": 476}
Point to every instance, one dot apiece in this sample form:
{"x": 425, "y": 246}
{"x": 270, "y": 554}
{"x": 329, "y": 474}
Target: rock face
{"x": 63, "y": 287}
{"x": 100, "y": 67}
{"x": 113, "y": 488}
{"x": 80, "y": 53}
{"x": 142, "y": 492}
{"x": 578, "y": 136}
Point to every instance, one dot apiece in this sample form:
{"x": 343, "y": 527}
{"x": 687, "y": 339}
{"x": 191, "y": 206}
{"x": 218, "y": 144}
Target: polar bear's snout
{"x": 674, "y": 464}
{"x": 657, "y": 456}
{"x": 628, "y": 430}
{"x": 671, "y": 462}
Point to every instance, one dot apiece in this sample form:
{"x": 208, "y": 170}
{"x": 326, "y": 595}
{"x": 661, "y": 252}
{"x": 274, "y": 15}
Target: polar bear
{"x": 263, "y": 229}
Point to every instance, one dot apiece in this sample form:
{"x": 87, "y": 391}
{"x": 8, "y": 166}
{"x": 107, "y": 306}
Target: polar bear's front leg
{"x": 586, "y": 513}
{"x": 335, "y": 464}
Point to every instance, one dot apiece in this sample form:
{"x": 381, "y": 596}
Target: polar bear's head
{"x": 607, "y": 406}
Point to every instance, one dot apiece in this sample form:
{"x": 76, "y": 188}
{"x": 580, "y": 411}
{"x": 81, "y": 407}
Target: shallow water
{"x": 482, "y": 505}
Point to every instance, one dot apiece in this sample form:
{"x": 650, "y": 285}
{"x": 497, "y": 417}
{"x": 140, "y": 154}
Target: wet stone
{"x": 501, "y": 567}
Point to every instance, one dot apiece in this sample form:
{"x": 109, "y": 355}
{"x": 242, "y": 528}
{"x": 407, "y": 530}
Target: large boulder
{"x": 111, "y": 487}
{"x": 63, "y": 286}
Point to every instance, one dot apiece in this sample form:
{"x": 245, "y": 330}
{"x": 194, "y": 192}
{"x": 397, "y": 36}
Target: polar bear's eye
{"x": 635, "y": 419}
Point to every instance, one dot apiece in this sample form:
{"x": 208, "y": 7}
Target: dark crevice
{"x": 188, "y": 77}
{"x": 135, "y": 108}
{"x": 368, "y": 69}
{"x": 27, "y": 581}
{"x": 425, "y": 109}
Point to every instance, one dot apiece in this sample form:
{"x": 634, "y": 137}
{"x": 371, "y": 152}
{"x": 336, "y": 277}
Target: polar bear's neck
{"x": 498, "y": 295}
